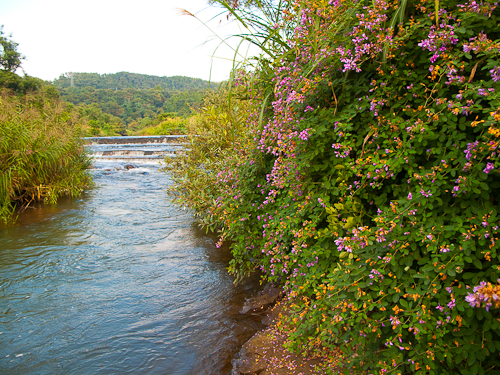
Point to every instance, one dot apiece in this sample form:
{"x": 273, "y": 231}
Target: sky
{"x": 110, "y": 36}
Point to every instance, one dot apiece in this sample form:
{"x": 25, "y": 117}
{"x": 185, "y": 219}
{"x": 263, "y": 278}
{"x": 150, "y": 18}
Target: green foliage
{"x": 169, "y": 124}
{"x": 10, "y": 59}
{"x": 371, "y": 188}
{"x": 99, "y": 124}
{"x": 11, "y": 81}
{"x": 216, "y": 135}
{"x": 136, "y": 99}
{"x": 125, "y": 80}
{"x": 41, "y": 155}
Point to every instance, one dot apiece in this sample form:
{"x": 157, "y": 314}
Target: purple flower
{"x": 394, "y": 321}
{"x": 451, "y": 304}
{"x": 489, "y": 168}
{"x": 495, "y": 73}
{"x": 471, "y": 298}
{"x": 425, "y": 194}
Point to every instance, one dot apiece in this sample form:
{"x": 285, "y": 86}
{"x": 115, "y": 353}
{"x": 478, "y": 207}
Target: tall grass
{"x": 41, "y": 155}
{"x": 261, "y": 26}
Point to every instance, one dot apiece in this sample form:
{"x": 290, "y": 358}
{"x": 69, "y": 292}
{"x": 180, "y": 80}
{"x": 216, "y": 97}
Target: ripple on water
{"x": 117, "y": 281}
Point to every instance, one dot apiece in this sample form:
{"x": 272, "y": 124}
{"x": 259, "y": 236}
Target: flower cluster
{"x": 484, "y": 8}
{"x": 495, "y": 74}
{"x": 439, "y": 40}
{"x": 485, "y": 295}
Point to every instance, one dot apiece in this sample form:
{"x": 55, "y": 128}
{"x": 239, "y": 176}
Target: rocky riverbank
{"x": 264, "y": 353}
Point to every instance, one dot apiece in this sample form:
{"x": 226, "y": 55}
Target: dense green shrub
{"x": 169, "y": 124}
{"x": 41, "y": 155}
{"x": 371, "y": 190}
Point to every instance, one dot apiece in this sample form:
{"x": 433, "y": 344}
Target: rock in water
{"x": 129, "y": 166}
{"x": 268, "y": 296}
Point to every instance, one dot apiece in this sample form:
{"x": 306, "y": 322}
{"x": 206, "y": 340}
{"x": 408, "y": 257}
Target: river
{"x": 117, "y": 281}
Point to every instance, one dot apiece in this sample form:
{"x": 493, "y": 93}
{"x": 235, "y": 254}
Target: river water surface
{"x": 118, "y": 281}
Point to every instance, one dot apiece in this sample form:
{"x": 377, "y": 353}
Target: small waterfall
{"x": 134, "y": 148}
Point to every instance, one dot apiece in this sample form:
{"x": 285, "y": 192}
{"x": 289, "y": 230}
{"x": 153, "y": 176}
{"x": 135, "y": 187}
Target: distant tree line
{"x": 125, "y": 80}
{"x": 129, "y": 101}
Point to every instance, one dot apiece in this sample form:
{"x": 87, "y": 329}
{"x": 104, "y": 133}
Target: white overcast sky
{"x": 109, "y": 36}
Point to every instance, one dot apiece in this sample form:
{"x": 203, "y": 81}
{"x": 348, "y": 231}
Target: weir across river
{"x": 134, "y": 148}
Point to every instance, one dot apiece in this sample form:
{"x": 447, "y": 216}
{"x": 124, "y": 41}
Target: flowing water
{"x": 117, "y": 281}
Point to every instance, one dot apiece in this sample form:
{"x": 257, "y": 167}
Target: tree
{"x": 10, "y": 59}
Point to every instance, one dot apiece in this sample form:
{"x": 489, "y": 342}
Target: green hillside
{"x": 125, "y": 80}
{"x": 124, "y": 103}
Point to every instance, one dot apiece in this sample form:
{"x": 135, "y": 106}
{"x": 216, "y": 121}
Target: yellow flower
{"x": 494, "y": 131}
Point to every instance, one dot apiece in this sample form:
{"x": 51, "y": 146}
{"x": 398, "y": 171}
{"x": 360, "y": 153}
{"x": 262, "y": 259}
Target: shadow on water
{"x": 118, "y": 281}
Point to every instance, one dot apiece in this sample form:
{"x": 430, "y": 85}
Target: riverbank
{"x": 265, "y": 352}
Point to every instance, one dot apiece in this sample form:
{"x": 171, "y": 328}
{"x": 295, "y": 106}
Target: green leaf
{"x": 478, "y": 264}
{"x": 427, "y": 268}
{"x": 484, "y": 186}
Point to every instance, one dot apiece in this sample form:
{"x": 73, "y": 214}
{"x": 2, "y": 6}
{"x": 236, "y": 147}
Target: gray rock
{"x": 268, "y": 296}
{"x": 252, "y": 355}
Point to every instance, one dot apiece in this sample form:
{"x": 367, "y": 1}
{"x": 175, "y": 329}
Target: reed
{"x": 261, "y": 24}
{"x": 41, "y": 155}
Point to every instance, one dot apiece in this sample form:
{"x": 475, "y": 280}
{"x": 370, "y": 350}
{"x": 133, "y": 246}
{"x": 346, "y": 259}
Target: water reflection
{"x": 117, "y": 281}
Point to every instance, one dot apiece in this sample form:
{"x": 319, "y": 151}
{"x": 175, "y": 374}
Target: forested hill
{"x": 124, "y": 103}
{"x": 125, "y": 80}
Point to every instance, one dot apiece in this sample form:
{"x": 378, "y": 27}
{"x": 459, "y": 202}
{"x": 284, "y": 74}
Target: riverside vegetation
{"x": 356, "y": 163}
{"x": 41, "y": 154}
